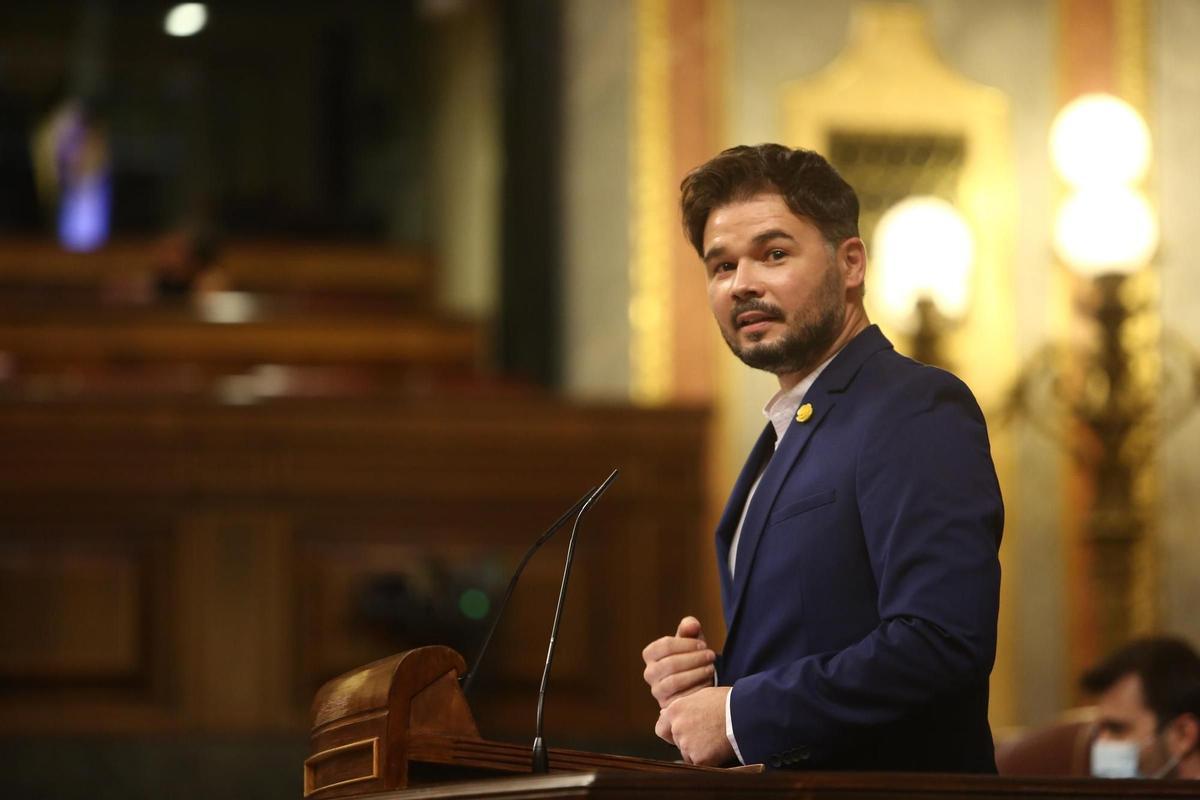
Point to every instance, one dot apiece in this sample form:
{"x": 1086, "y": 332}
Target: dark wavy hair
{"x": 1169, "y": 670}
{"x": 808, "y": 183}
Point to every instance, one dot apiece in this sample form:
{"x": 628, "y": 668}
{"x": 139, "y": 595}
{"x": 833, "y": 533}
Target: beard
{"x": 809, "y": 335}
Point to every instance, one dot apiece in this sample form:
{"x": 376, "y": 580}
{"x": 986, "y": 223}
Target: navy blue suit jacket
{"x": 861, "y": 626}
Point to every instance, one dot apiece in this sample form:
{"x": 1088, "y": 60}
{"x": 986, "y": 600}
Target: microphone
{"x": 541, "y": 759}
{"x": 468, "y": 680}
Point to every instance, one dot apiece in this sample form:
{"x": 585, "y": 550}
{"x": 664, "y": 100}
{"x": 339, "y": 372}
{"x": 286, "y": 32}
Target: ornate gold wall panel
{"x": 892, "y": 166}
{"x": 890, "y": 83}
{"x": 890, "y": 90}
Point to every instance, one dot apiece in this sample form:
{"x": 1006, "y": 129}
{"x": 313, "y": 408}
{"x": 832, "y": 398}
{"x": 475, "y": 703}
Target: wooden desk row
{"x": 257, "y": 265}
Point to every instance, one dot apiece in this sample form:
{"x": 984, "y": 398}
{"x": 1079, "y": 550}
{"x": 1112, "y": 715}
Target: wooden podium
{"x": 400, "y": 729}
{"x": 785, "y": 785}
{"x": 403, "y": 721}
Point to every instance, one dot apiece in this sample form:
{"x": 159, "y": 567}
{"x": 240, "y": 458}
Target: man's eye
{"x": 776, "y": 255}
{"x": 724, "y": 266}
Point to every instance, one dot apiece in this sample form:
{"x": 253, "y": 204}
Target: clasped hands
{"x": 680, "y": 672}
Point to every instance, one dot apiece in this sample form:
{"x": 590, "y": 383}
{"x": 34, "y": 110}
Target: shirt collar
{"x": 781, "y": 408}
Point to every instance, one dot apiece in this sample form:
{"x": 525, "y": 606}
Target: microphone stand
{"x": 541, "y": 759}
{"x": 468, "y": 680}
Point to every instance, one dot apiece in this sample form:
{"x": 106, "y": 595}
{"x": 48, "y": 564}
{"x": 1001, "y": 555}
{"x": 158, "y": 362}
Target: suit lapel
{"x": 823, "y": 396}
{"x": 733, "y": 510}
{"x": 789, "y": 450}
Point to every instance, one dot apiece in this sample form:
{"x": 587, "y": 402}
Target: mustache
{"x": 761, "y": 306}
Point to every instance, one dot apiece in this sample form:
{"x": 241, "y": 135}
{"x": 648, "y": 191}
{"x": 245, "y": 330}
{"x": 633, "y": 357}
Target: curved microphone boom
{"x": 469, "y": 679}
{"x": 541, "y": 759}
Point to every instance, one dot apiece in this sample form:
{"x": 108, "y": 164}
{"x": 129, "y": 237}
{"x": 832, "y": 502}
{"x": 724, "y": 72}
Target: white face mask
{"x": 1120, "y": 760}
{"x": 1114, "y": 759}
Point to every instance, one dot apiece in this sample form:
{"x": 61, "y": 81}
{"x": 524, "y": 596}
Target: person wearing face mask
{"x": 1148, "y": 703}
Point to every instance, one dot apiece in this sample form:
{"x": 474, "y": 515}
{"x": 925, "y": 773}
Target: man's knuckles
{"x": 663, "y": 693}
{"x": 683, "y": 662}
{"x": 663, "y": 727}
{"x": 657, "y": 669}
{"x": 661, "y": 670}
{"x": 668, "y": 646}
{"x": 656, "y": 649}
{"x": 670, "y": 684}
{"x": 680, "y": 683}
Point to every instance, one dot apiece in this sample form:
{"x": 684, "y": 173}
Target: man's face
{"x": 1124, "y": 717}
{"x": 774, "y": 284}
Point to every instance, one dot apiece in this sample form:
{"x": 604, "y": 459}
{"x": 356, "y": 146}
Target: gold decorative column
{"x": 1109, "y": 517}
{"x": 676, "y": 108}
{"x": 650, "y": 260}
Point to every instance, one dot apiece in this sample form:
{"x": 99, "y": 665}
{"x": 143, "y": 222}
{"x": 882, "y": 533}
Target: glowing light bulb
{"x": 1099, "y": 140}
{"x": 1103, "y": 231}
{"x": 186, "y": 19}
{"x": 924, "y": 249}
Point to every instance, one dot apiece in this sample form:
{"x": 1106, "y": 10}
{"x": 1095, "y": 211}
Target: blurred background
{"x": 314, "y": 315}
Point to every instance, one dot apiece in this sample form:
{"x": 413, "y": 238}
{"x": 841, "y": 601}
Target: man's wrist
{"x": 729, "y": 726}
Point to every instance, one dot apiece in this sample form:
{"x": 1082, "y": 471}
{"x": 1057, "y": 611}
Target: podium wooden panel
{"x": 403, "y": 720}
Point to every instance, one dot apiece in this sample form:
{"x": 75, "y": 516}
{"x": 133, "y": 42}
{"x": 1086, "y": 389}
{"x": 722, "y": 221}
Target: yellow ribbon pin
{"x": 804, "y": 412}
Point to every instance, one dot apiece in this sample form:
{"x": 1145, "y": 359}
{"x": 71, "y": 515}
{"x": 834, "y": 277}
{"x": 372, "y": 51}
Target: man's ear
{"x": 852, "y": 259}
{"x": 1183, "y": 734}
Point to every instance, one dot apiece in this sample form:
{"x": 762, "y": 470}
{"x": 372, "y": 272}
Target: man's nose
{"x": 746, "y": 280}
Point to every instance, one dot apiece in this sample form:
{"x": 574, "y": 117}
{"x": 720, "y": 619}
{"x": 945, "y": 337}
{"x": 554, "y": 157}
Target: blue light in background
{"x": 83, "y": 216}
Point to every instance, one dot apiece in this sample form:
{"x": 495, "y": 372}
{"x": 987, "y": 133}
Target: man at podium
{"x": 858, "y": 549}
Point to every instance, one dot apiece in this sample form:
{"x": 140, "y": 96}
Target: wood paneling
{"x": 73, "y": 608}
{"x": 86, "y": 635}
{"x": 193, "y": 566}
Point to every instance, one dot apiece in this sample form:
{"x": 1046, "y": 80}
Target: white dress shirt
{"x": 780, "y": 410}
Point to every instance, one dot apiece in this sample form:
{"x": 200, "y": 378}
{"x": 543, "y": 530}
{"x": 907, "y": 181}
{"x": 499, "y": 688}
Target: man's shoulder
{"x": 873, "y": 378}
{"x": 894, "y": 374}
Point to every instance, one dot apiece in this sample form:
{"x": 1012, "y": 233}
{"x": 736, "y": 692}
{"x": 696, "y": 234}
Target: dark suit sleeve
{"x": 931, "y": 518}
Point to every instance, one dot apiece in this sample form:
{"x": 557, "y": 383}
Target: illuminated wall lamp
{"x": 923, "y": 255}
{"x": 1092, "y": 398}
{"x": 1100, "y": 147}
